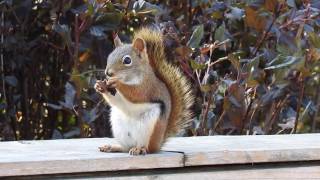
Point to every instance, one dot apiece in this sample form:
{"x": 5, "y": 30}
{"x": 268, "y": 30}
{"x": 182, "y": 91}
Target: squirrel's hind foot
{"x": 135, "y": 151}
{"x": 111, "y": 148}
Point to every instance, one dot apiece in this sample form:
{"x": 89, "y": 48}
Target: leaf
{"x": 235, "y": 14}
{"x": 206, "y": 88}
{"x": 79, "y": 82}
{"x": 257, "y": 130}
{"x": 92, "y": 7}
{"x": 183, "y": 51}
{"x": 74, "y": 132}
{"x": 234, "y": 104}
{"x": 109, "y": 20}
{"x": 195, "y": 65}
{"x": 11, "y": 80}
{"x": 143, "y": 7}
{"x": 234, "y": 61}
{"x": 196, "y": 37}
{"x": 97, "y": 31}
{"x": 211, "y": 118}
{"x": 253, "y": 71}
{"x": 314, "y": 39}
{"x": 315, "y": 54}
{"x": 54, "y": 106}
{"x": 220, "y": 33}
{"x": 56, "y": 134}
{"x": 69, "y": 96}
{"x": 252, "y": 64}
{"x": 288, "y": 125}
{"x": 84, "y": 56}
{"x": 288, "y": 61}
{"x": 271, "y": 5}
{"x": 138, "y": 4}
{"x": 254, "y": 20}
{"x": 292, "y": 3}
{"x": 65, "y": 32}
{"x": 90, "y": 116}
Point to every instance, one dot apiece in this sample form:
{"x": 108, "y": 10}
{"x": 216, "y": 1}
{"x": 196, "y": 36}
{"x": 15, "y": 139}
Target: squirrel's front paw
{"x": 101, "y": 86}
{"x": 138, "y": 151}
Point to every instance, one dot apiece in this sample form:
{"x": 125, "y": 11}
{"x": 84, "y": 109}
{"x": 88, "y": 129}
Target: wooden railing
{"x": 213, "y": 157}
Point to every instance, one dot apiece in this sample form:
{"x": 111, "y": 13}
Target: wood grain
{"x": 81, "y": 155}
{"x": 217, "y": 150}
{"x": 75, "y": 155}
{"x": 245, "y": 172}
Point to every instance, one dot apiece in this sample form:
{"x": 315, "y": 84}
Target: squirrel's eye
{"x": 126, "y": 60}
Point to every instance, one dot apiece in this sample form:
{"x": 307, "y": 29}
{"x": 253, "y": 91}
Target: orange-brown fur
{"x": 148, "y": 90}
{"x": 180, "y": 91}
{"x": 165, "y": 83}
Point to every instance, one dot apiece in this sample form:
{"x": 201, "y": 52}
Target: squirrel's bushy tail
{"x": 179, "y": 88}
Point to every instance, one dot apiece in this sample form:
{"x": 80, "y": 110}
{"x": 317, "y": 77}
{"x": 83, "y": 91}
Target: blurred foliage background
{"x": 254, "y": 64}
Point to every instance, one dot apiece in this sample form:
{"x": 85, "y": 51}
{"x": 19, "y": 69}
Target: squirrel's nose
{"x": 108, "y": 72}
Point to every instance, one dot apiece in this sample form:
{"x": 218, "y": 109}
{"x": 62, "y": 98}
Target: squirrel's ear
{"x": 117, "y": 41}
{"x": 139, "y": 44}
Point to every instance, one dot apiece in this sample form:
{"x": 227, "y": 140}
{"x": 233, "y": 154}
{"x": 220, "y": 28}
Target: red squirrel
{"x": 152, "y": 98}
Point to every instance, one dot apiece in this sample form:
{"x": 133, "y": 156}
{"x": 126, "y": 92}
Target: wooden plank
{"x": 246, "y": 149}
{"x": 294, "y": 170}
{"x": 74, "y": 155}
{"x": 81, "y": 155}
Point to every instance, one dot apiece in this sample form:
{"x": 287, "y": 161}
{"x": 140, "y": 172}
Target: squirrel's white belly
{"x": 132, "y": 124}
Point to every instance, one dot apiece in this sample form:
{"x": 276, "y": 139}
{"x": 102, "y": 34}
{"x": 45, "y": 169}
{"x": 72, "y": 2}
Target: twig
{"x": 274, "y": 115}
{"x": 219, "y": 120}
{"x": 76, "y": 37}
{"x": 218, "y": 61}
{"x": 264, "y": 36}
{"x": 88, "y": 72}
{"x": 317, "y": 105}
{"x": 248, "y": 110}
{"x": 294, "y": 130}
{"x": 2, "y": 60}
{"x": 15, "y": 15}
{"x": 206, "y": 111}
{"x": 190, "y": 12}
{"x": 127, "y": 8}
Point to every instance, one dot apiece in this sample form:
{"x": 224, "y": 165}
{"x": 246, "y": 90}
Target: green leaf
{"x": 314, "y": 39}
{"x": 252, "y": 64}
{"x": 288, "y": 61}
{"x": 220, "y": 33}
{"x": 90, "y": 9}
{"x": 234, "y": 61}
{"x": 253, "y": 71}
{"x": 143, "y": 7}
{"x": 109, "y": 20}
{"x": 205, "y": 88}
{"x": 195, "y": 65}
{"x": 196, "y": 37}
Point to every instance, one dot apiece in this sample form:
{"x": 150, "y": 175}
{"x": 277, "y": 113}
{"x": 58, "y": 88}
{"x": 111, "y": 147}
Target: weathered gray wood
{"x": 246, "y": 149}
{"x": 245, "y": 172}
{"x": 82, "y": 155}
{"x": 74, "y": 155}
